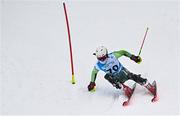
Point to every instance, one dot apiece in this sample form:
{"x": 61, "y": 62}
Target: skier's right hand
{"x": 91, "y": 86}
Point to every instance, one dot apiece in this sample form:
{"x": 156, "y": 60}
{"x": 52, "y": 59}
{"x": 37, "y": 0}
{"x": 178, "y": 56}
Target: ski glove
{"x": 137, "y": 59}
{"x": 91, "y": 86}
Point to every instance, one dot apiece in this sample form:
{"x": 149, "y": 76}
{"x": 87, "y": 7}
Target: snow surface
{"x": 35, "y": 61}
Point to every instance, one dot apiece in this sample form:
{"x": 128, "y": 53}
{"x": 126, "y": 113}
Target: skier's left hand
{"x": 137, "y": 59}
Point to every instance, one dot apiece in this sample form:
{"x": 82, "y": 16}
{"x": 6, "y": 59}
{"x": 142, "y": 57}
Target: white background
{"x": 35, "y": 63}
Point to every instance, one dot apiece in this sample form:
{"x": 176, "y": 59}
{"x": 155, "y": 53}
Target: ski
{"x": 125, "y": 103}
{"x": 155, "y": 98}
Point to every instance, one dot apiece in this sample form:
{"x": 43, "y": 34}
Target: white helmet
{"x": 101, "y": 53}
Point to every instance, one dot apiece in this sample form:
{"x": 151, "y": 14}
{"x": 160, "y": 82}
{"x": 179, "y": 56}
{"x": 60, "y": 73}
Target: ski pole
{"x": 70, "y": 45}
{"x": 143, "y": 41}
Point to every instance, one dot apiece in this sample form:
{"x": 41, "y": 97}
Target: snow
{"x": 35, "y": 61}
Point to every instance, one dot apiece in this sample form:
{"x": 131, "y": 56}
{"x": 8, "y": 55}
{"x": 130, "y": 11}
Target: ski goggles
{"x": 102, "y": 58}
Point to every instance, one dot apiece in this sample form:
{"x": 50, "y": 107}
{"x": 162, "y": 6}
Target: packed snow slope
{"x": 35, "y": 60}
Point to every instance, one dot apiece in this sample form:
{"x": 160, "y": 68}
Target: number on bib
{"x": 114, "y": 69}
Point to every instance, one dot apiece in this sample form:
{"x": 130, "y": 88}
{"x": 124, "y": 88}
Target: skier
{"x": 116, "y": 73}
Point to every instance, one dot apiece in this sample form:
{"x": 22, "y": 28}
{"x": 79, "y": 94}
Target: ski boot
{"x": 128, "y": 91}
{"x": 151, "y": 88}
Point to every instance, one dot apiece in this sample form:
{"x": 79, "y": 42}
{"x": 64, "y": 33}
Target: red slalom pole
{"x": 70, "y": 45}
{"x": 143, "y": 41}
